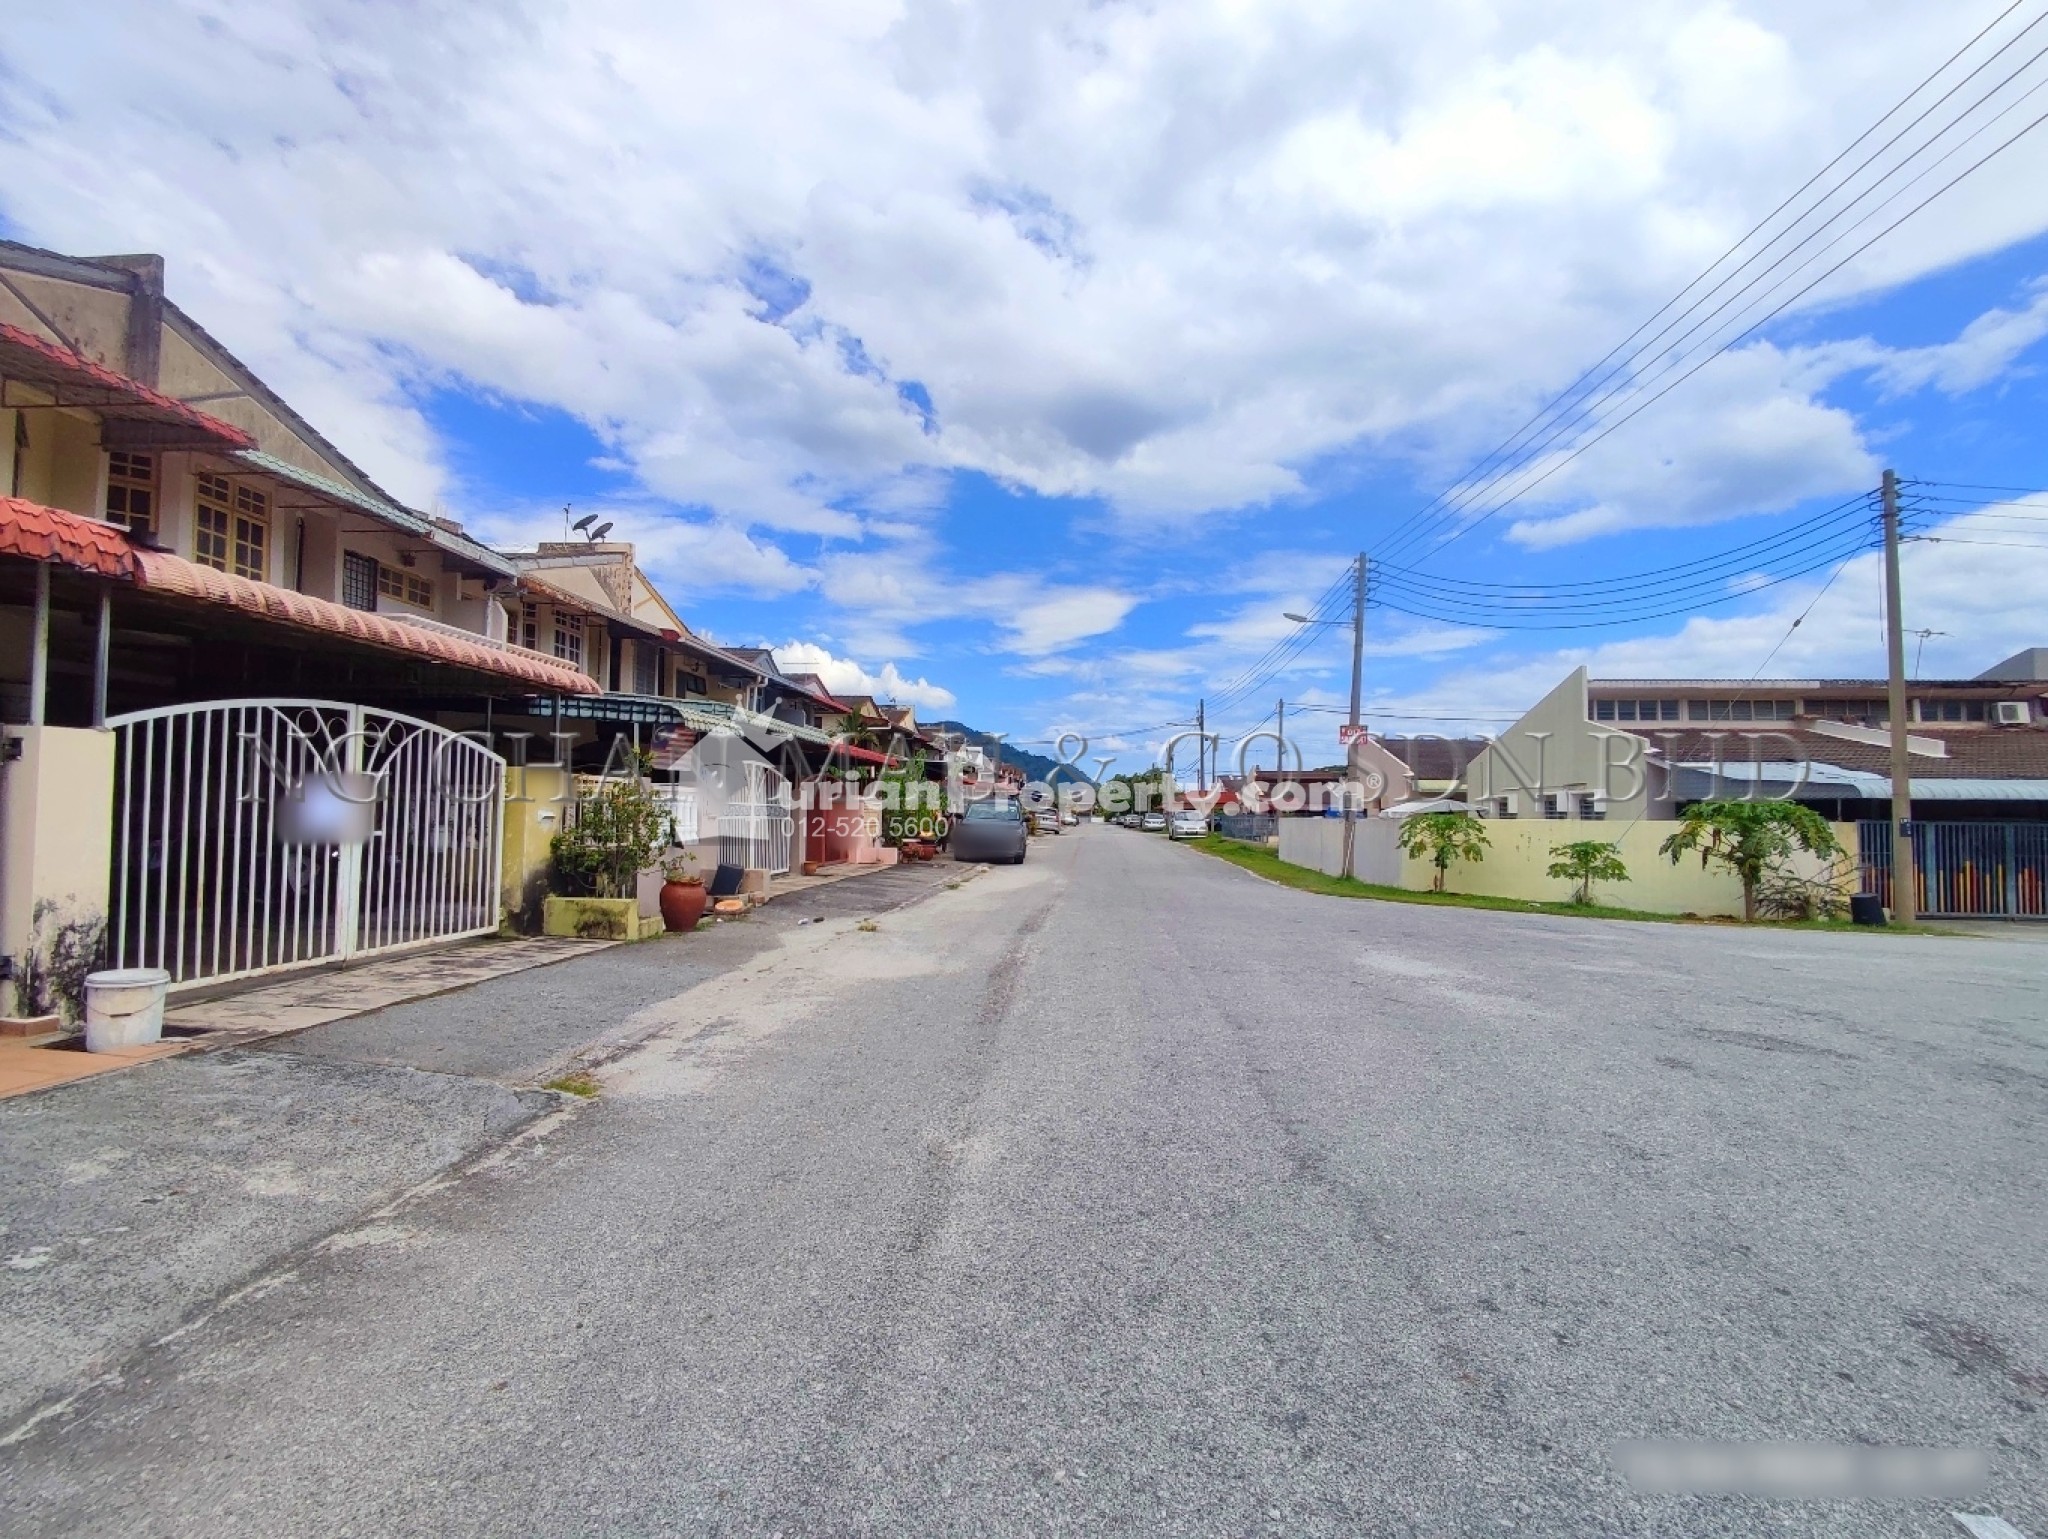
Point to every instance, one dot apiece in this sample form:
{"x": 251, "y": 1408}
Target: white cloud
{"x": 686, "y": 558}
{"x": 1166, "y": 255}
{"x": 1986, "y": 349}
{"x": 889, "y": 683}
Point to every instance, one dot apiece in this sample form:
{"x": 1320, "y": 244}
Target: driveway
{"x": 1124, "y": 1193}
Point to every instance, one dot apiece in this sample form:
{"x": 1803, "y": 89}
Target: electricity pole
{"x": 1201, "y": 746}
{"x": 1280, "y": 736}
{"x": 1905, "y": 877}
{"x": 1357, "y": 682}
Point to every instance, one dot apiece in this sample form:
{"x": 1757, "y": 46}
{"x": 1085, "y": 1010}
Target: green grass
{"x": 1263, "y": 860}
{"x": 581, "y": 1082}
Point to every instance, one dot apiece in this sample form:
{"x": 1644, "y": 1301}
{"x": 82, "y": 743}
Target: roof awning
{"x": 75, "y": 381}
{"x": 160, "y": 572}
{"x": 481, "y": 559}
{"x": 36, "y": 533}
{"x": 1694, "y": 782}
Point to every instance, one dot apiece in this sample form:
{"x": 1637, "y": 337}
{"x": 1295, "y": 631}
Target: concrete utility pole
{"x": 1357, "y": 683}
{"x": 1201, "y": 746}
{"x": 1905, "y": 879}
{"x": 1280, "y": 737}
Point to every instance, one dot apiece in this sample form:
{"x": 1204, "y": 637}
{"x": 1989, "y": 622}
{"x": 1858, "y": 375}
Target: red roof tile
{"x": 162, "y": 572}
{"x": 79, "y": 381}
{"x": 36, "y": 533}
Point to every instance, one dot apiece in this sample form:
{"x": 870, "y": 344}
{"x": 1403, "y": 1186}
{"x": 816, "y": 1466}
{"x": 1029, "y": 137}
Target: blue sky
{"x": 1027, "y": 364}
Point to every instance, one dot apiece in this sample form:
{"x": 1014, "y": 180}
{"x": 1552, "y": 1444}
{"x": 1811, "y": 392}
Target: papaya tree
{"x": 1586, "y": 861}
{"x": 1749, "y": 839}
{"x": 1442, "y": 837}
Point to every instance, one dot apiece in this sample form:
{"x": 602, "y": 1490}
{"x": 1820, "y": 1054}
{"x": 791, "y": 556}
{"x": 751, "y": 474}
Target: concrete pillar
{"x": 56, "y": 847}
{"x": 536, "y": 796}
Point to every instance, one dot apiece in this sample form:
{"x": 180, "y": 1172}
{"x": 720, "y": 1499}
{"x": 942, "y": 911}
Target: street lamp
{"x": 1357, "y": 624}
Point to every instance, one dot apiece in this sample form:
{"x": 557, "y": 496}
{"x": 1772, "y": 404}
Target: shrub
{"x": 615, "y": 833}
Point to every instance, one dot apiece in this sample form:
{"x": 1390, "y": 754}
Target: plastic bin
{"x": 124, "y": 1008}
{"x": 1865, "y": 908}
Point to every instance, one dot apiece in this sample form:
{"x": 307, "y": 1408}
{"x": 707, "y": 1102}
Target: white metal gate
{"x": 234, "y": 852}
{"x": 754, "y": 832}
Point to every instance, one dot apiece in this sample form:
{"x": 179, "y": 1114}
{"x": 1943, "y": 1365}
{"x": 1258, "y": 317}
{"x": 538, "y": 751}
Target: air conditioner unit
{"x": 2014, "y": 713}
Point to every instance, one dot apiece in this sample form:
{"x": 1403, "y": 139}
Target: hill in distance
{"x": 1036, "y": 766}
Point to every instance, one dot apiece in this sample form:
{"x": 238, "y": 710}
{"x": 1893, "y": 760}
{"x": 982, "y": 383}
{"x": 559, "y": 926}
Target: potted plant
{"x": 683, "y": 898}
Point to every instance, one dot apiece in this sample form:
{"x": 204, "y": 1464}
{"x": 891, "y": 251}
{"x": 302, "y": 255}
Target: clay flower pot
{"x": 682, "y": 905}
{"x": 811, "y": 867}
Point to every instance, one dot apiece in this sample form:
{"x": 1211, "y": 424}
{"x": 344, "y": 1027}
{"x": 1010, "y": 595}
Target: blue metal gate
{"x": 1966, "y": 870}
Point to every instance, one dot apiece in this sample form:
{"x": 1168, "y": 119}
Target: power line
{"x": 1638, "y": 410}
{"x": 1618, "y": 349}
{"x": 1576, "y": 405}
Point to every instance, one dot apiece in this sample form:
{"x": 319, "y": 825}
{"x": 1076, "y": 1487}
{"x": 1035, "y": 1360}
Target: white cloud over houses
{"x": 843, "y": 673}
{"x": 1168, "y": 256}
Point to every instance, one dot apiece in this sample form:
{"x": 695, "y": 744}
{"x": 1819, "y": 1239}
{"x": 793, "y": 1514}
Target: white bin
{"x": 124, "y": 1008}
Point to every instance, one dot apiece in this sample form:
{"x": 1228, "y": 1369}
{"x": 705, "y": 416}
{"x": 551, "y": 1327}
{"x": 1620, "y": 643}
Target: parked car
{"x": 1045, "y": 821}
{"x": 1155, "y": 822}
{"x": 1188, "y": 825}
{"x": 1070, "y": 820}
{"x": 991, "y": 829}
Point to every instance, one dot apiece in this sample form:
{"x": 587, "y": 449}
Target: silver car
{"x": 991, "y": 829}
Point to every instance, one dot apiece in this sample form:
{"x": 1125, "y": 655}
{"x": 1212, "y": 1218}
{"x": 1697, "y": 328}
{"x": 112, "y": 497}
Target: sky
{"x": 1027, "y": 364}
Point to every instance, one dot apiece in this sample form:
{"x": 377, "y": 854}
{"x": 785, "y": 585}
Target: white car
{"x": 1188, "y": 825}
{"x": 1153, "y": 822}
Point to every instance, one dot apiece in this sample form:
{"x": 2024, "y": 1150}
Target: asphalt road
{"x": 1124, "y": 1193}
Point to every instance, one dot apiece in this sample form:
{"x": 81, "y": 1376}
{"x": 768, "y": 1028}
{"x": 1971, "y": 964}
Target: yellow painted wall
{"x": 95, "y": 318}
{"x": 56, "y": 840}
{"x": 1518, "y": 860}
{"x": 535, "y": 796}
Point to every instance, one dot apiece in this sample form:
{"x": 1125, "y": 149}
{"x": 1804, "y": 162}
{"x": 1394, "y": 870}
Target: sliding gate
{"x": 1966, "y": 870}
{"x": 254, "y": 836}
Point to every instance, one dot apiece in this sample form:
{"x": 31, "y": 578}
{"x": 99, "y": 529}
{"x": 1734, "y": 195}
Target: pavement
{"x": 1122, "y": 1192}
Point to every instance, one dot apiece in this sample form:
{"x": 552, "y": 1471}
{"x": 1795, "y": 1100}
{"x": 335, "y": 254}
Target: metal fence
{"x": 1255, "y": 826}
{"x": 1965, "y": 870}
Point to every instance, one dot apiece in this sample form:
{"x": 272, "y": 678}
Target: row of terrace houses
{"x": 198, "y": 590}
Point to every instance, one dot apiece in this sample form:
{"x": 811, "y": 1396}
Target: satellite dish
{"x": 584, "y": 522}
{"x": 599, "y": 532}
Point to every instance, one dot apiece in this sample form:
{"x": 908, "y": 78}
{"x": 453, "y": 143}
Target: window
{"x": 1951, "y": 710}
{"x": 358, "y": 581}
{"x": 1740, "y": 710}
{"x": 1554, "y": 807}
{"x": 529, "y": 627}
{"x": 131, "y": 491}
{"x": 1592, "y": 806}
{"x": 1849, "y": 710}
{"x": 1635, "y": 710}
{"x": 406, "y": 587}
{"x": 233, "y": 527}
{"x": 569, "y": 639}
{"x": 689, "y": 684}
{"x": 646, "y": 673}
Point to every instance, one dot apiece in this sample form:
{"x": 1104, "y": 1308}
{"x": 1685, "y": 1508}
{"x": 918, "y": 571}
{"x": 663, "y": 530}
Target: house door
{"x": 257, "y": 836}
